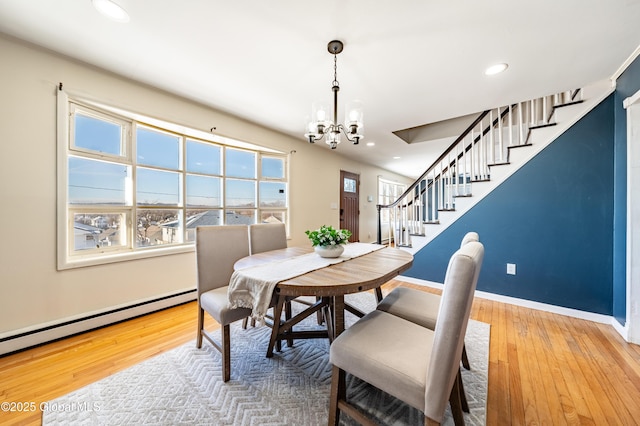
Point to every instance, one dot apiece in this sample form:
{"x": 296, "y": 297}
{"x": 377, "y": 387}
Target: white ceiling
{"x": 411, "y": 62}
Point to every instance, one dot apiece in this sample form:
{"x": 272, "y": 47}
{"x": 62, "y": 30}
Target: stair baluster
{"x": 468, "y": 159}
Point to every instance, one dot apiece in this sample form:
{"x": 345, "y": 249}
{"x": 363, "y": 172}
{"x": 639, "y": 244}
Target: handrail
{"x": 473, "y": 157}
{"x": 459, "y": 139}
{"x": 435, "y": 163}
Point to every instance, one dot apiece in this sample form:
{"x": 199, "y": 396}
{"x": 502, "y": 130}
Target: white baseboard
{"x": 22, "y": 339}
{"x": 623, "y": 330}
{"x": 575, "y": 313}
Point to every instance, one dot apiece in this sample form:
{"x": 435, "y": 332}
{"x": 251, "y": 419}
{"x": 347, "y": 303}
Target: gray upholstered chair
{"x": 217, "y": 249}
{"x": 412, "y": 363}
{"x": 266, "y": 237}
{"x": 418, "y": 306}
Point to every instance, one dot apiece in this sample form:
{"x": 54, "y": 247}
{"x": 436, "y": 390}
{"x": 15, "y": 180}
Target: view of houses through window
{"x": 132, "y": 186}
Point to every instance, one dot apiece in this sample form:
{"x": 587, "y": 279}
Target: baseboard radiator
{"x": 27, "y": 339}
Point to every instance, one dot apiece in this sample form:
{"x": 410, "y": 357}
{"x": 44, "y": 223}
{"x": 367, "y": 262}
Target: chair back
{"x": 218, "y": 248}
{"x": 469, "y": 236}
{"x": 267, "y": 236}
{"x": 455, "y": 307}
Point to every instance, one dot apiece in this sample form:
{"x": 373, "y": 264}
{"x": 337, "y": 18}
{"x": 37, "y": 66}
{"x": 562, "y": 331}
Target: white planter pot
{"x": 329, "y": 251}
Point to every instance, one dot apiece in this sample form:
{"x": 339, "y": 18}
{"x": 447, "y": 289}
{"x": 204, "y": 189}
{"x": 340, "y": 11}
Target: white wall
{"x": 32, "y": 292}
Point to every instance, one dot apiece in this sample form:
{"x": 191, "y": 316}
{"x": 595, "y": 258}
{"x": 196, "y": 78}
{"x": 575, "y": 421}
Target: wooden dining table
{"x": 328, "y": 285}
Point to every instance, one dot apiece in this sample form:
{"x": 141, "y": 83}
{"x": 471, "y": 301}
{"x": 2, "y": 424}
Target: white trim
{"x": 575, "y": 313}
{"x": 631, "y": 100}
{"x": 126, "y": 256}
{"x": 42, "y": 333}
{"x": 632, "y": 323}
{"x": 622, "y": 330}
{"x": 62, "y": 219}
{"x": 625, "y": 64}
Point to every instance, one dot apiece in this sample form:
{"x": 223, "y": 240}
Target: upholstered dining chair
{"x": 421, "y": 307}
{"x": 265, "y": 237}
{"x": 410, "y": 362}
{"x": 217, "y": 249}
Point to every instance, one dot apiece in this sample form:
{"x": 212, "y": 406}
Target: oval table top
{"x": 351, "y": 276}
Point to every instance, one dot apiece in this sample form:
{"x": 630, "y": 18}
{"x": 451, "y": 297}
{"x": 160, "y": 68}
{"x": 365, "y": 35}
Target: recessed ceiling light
{"x": 496, "y": 69}
{"x": 111, "y": 10}
{"x": 371, "y": 143}
{"x": 396, "y": 158}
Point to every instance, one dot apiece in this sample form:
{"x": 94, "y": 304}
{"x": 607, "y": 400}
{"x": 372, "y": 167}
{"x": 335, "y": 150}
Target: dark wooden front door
{"x": 350, "y": 203}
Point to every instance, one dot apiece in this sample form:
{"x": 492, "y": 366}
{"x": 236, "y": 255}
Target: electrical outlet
{"x": 511, "y": 268}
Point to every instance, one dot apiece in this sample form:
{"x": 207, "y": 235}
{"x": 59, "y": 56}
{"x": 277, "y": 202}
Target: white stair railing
{"x": 485, "y": 143}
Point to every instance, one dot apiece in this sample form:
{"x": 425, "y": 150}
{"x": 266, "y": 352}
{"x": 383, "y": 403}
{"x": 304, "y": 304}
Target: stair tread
{"x": 541, "y": 126}
{"x": 569, "y": 103}
{"x": 523, "y": 145}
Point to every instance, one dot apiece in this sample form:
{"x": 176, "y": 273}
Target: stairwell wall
{"x": 627, "y": 84}
{"x": 553, "y": 218}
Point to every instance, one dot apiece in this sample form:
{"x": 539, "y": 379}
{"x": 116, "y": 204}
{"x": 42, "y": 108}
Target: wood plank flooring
{"x": 544, "y": 368}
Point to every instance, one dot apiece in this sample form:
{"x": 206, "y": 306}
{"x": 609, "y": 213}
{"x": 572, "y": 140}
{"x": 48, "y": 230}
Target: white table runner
{"x": 253, "y": 287}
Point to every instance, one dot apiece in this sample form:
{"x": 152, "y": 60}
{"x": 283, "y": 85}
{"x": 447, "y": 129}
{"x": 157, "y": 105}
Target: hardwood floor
{"x": 543, "y": 368}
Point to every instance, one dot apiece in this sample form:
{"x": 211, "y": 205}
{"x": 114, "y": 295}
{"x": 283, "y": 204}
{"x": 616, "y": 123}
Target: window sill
{"x": 104, "y": 259}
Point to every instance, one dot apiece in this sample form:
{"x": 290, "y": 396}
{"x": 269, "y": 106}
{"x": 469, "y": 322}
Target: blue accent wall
{"x": 553, "y": 218}
{"x": 626, "y": 85}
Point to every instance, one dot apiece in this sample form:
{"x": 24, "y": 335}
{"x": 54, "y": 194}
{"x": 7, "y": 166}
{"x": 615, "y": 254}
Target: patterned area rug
{"x": 184, "y": 386}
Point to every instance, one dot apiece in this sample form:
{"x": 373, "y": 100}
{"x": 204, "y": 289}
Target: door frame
{"x": 632, "y": 326}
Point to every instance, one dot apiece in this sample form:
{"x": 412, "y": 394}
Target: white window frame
{"x": 66, "y": 105}
{"x": 385, "y": 198}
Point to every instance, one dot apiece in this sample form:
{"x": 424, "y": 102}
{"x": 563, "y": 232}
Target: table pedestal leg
{"x": 338, "y": 315}
{"x": 277, "y": 313}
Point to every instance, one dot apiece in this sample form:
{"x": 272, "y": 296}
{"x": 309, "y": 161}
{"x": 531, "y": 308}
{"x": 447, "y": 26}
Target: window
{"x": 132, "y": 187}
{"x": 388, "y": 192}
{"x": 350, "y": 185}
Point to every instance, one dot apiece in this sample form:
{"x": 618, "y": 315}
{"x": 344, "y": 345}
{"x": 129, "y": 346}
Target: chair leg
{"x": 456, "y": 405}
{"x": 465, "y": 359}
{"x": 338, "y": 393}
{"x": 226, "y": 353}
{"x": 245, "y": 322}
{"x": 200, "y": 326}
{"x": 463, "y": 396}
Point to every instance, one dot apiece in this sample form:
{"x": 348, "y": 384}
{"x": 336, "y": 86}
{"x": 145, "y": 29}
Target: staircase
{"x": 491, "y": 149}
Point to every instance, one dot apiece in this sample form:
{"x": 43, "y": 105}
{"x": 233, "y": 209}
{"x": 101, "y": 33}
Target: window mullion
{"x": 97, "y": 203}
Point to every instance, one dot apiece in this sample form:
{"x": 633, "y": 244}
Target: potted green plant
{"x": 328, "y": 241}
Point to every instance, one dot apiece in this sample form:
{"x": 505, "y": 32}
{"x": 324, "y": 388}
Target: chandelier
{"x": 322, "y": 125}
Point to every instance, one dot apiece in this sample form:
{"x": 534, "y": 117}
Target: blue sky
{"x": 96, "y": 181}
